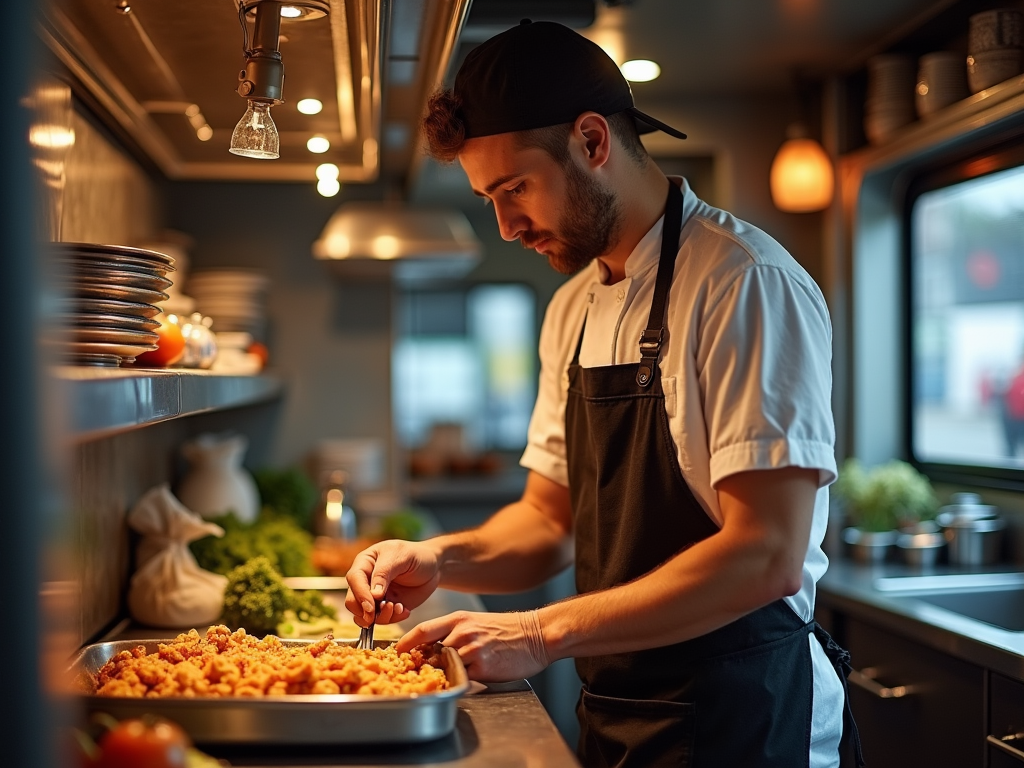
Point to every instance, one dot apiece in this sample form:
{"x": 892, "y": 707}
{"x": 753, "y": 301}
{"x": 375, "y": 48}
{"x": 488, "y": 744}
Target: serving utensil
{"x": 366, "y": 633}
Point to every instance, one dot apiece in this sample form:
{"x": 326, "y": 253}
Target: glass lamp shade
{"x": 801, "y": 178}
{"x": 256, "y": 135}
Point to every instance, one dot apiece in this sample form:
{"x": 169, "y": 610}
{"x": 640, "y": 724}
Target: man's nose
{"x": 511, "y": 223}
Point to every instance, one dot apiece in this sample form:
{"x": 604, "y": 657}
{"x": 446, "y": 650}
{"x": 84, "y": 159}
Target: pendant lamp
{"x": 802, "y": 179}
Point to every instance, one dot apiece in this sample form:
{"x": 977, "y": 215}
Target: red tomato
{"x": 260, "y": 350}
{"x": 170, "y": 346}
{"x": 144, "y": 744}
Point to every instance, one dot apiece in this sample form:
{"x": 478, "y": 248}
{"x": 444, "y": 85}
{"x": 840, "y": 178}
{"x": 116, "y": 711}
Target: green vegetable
{"x": 402, "y": 525}
{"x": 288, "y": 492}
{"x": 889, "y": 496}
{"x": 292, "y": 626}
{"x": 281, "y": 540}
{"x": 257, "y": 599}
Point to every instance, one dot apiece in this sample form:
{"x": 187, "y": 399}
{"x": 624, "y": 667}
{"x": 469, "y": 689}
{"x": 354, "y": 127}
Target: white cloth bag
{"x": 168, "y": 588}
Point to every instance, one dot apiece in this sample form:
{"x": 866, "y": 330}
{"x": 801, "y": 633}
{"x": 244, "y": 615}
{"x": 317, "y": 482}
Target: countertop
{"x": 497, "y": 726}
{"x": 853, "y": 589}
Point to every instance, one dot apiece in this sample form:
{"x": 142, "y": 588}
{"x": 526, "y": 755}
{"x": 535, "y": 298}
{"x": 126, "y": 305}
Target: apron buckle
{"x": 650, "y": 349}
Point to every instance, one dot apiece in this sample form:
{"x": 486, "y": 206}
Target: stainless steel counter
{"x": 497, "y": 726}
{"x": 855, "y": 590}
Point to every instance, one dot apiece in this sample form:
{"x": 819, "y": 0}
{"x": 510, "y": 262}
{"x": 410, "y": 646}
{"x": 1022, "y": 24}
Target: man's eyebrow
{"x": 497, "y": 183}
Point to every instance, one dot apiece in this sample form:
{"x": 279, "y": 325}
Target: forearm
{"x": 701, "y": 589}
{"x": 518, "y": 548}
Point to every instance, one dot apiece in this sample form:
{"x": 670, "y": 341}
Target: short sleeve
{"x": 545, "y": 441}
{"x": 764, "y": 363}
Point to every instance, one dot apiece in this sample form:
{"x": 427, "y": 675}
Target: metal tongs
{"x": 366, "y": 633}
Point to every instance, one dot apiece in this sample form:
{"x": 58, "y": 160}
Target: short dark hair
{"x": 446, "y": 133}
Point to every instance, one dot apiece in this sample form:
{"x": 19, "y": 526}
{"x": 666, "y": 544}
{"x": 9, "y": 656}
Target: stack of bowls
{"x": 890, "y": 99}
{"x": 941, "y": 81}
{"x": 109, "y": 295}
{"x": 995, "y": 47}
{"x": 235, "y": 299}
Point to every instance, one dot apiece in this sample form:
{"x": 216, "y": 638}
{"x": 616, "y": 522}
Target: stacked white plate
{"x": 109, "y": 295}
{"x": 890, "y": 99}
{"x": 235, "y": 299}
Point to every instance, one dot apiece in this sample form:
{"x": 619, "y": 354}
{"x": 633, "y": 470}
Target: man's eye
{"x": 518, "y": 189}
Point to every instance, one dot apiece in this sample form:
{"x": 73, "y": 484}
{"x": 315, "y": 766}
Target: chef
{"x": 680, "y": 447}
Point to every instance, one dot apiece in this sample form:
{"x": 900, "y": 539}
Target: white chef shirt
{"x": 746, "y": 371}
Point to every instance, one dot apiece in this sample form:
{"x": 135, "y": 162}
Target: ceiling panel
{"x": 147, "y": 67}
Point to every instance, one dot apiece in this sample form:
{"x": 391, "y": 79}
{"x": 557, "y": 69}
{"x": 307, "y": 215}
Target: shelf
{"x": 100, "y": 402}
{"x": 985, "y": 109}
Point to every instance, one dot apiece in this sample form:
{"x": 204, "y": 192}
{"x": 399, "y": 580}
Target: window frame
{"x": 994, "y": 159}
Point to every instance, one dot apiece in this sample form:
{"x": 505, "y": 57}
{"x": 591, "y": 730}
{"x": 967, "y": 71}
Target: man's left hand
{"x": 495, "y": 647}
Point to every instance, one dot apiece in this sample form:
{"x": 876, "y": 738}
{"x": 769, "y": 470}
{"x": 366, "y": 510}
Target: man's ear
{"x": 592, "y": 133}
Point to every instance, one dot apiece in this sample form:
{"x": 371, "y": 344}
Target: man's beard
{"x": 587, "y": 229}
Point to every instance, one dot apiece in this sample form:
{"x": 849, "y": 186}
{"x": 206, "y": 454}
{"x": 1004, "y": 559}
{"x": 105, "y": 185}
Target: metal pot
{"x": 869, "y": 546}
{"x": 975, "y": 541}
{"x": 921, "y": 550}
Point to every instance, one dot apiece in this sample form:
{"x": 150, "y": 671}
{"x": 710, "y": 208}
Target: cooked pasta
{"x": 226, "y": 663}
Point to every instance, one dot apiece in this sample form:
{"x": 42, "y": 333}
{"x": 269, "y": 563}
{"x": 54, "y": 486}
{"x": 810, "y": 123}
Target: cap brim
{"x": 647, "y": 124}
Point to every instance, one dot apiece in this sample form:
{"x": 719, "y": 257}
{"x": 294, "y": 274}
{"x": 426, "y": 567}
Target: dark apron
{"x": 738, "y": 696}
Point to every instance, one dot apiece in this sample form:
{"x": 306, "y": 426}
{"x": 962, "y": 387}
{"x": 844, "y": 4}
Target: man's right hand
{"x": 400, "y": 575}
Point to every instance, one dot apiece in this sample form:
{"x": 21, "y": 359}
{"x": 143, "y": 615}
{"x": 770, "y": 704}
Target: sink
{"x": 993, "y": 598}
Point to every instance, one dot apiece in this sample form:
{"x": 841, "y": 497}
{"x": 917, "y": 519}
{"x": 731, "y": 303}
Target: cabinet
{"x": 913, "y": 705}
{"x": 1005, "y": 739}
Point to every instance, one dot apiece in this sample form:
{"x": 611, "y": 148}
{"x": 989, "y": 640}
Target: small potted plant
{"x": 881, "y": 502}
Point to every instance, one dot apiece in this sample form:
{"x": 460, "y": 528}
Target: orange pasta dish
{"x": 226, "y": 663}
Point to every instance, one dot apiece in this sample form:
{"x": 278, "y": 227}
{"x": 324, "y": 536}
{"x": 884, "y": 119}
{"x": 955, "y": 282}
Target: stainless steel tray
{"x": 300, "y": 719}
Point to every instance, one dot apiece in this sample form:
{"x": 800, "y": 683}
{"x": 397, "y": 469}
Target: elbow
{"x": 791, "y": 583}
{"x": 784, "y": 575}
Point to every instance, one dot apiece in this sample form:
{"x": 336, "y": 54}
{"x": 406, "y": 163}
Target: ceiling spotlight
{"x": 309, "y": 106}
{"x": 318, "y": 144}
{"x": 328, "y": 187}
{"x": 204, "y": 133}
{"x": 327, "y": 171}
{"x": 640, "y": 70}
{"x": 123, "y": 6}
{"x": 292, "y": 10}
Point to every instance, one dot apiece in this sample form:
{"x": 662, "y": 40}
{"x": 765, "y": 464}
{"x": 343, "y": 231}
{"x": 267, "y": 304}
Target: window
{"x": 466, "y": 356}
{"x": 966, "y": 243}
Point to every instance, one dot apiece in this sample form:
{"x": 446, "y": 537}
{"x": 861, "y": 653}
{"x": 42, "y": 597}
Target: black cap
{"x": 539, "y": 74}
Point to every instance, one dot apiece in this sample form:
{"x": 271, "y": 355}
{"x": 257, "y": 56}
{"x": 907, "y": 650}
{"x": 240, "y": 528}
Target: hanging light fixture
{"x": 802, "y": 179}
{"x": 262, "y": 79}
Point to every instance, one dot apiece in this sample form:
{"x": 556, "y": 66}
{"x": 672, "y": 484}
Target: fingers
{"x": 433, "y": 631}
{"x": 359, "y": 600}
{"x": 390, "y": 612}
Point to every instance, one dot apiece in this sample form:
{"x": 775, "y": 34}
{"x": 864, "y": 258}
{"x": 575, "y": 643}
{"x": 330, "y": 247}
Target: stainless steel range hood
{"x": 408, "y": 244}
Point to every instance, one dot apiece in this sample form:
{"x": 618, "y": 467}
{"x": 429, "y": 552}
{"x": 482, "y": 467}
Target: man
{"x": 680, "y": 447}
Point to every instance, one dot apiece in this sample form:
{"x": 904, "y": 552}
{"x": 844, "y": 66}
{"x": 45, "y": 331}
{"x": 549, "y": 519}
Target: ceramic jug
{"x": 216, "y": 482}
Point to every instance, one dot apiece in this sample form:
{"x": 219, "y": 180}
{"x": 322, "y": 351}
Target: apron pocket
{"x": 635, "y": 733}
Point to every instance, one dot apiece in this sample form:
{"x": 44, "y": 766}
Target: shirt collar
{"x": 647, "y": 252}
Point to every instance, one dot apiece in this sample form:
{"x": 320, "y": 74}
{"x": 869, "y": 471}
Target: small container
{"x": 869, "y": 546}
{"x": 975, "y": 541}
{"x": 921, "y": 550}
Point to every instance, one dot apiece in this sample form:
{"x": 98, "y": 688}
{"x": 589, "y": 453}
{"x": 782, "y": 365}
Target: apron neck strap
{"x": 653, "y": 336}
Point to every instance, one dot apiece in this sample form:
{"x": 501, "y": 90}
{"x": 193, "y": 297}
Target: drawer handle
{"x": 866, "y": 681}
{"x": 1008, "y": 748}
